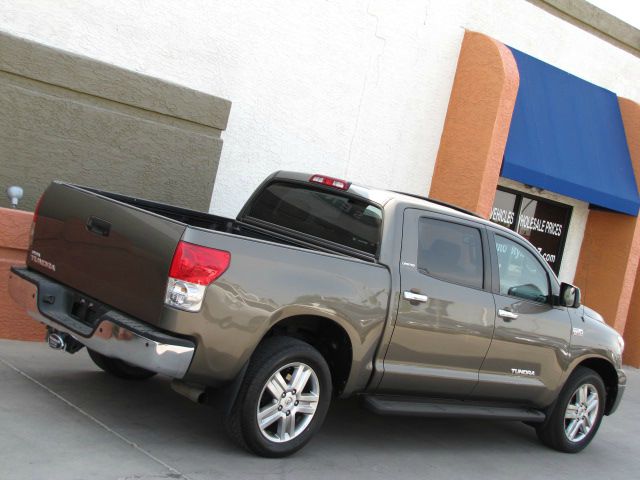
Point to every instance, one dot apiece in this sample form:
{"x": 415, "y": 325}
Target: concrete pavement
{"x": 62, "y": 418}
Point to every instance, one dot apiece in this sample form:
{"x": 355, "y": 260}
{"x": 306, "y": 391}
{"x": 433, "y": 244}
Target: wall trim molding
{"x": 596, "y": 21}
{"x": 82, "y": 74}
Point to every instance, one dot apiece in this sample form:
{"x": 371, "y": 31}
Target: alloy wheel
{"x": 288, "y": 402}
{"x": 581, "y": 413}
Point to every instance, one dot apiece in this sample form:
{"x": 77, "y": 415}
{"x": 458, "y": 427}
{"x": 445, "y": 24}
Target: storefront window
{"x": 504, "y": 209}
{"x": 543, "y": 222}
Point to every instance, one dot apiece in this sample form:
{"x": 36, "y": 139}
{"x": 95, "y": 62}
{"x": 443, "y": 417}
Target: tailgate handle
{"x": 98, "y": 226}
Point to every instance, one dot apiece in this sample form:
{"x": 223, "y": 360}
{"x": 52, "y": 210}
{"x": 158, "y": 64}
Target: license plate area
{"x": 86, "y": 310}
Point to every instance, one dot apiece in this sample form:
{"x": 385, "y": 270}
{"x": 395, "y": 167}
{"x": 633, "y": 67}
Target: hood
{"x": 592, "y": 314}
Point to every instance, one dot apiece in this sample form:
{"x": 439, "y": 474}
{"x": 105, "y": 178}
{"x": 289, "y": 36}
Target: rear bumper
{"x": 113, "y": 334}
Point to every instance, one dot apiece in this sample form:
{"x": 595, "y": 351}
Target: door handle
{"x": 98, "y": 226}
{"x": 415, "y": 297}
{"x": 507, "y": 315}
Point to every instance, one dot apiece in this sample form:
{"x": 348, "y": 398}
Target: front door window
{"x": 521, "y": 274}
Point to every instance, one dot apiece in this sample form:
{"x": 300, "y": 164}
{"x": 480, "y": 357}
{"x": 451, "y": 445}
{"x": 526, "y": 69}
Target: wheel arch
{"x": 325, "y": 334}
{"x": 607, "y": 372}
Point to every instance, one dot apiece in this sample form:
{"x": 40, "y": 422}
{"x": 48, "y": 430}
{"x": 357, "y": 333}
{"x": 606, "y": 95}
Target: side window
{"x": 450, "y": 252}
{"x": 521, "y": 274}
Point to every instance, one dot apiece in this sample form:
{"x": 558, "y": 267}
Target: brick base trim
{"x": 14, "y": 240}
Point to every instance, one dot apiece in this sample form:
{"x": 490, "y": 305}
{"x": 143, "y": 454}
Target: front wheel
{"x": 283, "y": 400}
{"x": 576, "y": 417}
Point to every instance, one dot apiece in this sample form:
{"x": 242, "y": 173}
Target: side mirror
{"x": 569, "y": 295}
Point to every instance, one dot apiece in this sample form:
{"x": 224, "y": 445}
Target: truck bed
{"x": 118, "y": 248}
{"x": 116, "y": 251}
{"x": 207, "y": 221}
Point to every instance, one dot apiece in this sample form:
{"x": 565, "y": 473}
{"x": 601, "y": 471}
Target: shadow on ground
{"x": 353, "y": 441}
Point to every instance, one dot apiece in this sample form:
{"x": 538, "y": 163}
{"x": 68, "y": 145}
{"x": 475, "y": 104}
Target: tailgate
{"x": 111, "y": 251}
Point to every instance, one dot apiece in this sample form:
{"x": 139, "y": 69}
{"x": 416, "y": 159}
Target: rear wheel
{"x": 577, "y": 414}
{"x": 283, "y": 400}
{"x": 119, "y": 368}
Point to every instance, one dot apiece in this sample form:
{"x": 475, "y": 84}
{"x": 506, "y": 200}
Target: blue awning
{"x": 567, "y": 136}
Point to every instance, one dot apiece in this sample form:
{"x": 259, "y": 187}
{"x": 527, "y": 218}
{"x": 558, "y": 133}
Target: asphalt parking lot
{"x": 62, "y": 418}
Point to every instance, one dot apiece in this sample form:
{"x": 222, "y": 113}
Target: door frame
{"x": 412, "y": 213}
{"x": 408, "y": 259}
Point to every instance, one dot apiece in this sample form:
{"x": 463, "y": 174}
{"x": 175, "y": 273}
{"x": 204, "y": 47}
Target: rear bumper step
{"x": 113, "y": 334}
{"x": 395, "y": 405}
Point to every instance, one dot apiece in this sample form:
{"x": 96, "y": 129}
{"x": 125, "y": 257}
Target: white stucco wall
{"x": 351, "y": 88}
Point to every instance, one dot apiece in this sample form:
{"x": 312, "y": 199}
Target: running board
{"x": 417, "y": 407}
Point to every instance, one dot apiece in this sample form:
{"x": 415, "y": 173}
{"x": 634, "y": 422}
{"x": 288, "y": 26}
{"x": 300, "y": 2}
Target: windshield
{"x": 354, "y": 223}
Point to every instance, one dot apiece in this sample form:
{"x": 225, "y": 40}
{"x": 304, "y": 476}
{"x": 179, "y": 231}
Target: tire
{"x": 291, "y": 415}
{"x": 119, "y": 368}
{"x": 571, "y": 429}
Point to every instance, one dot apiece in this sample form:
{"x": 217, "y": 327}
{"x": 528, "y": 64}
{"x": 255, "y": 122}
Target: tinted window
{"x": 331, "y": 216}
{"x": 521, "y": 274}
{"x": 451, "y": 252}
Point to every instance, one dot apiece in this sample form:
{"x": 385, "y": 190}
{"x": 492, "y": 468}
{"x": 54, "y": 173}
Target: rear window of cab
{"x": 335, "y": 217}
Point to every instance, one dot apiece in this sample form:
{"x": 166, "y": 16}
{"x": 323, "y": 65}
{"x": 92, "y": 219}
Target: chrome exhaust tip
{"x": 56, "y": 341}
{"x": 195, "y": 393}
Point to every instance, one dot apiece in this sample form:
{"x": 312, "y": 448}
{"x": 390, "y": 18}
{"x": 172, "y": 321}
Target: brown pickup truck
{"x": 321, "y": 288}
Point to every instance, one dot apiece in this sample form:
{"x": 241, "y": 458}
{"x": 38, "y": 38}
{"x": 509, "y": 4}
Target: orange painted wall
{"x": 468, "y": 167}
{"x": 14, "y": 240}
{"x": 477, "y": 124}
{"x": 608, "y": 276}
{"x": 631, "y": 117}
{"x": 632, "y": 330}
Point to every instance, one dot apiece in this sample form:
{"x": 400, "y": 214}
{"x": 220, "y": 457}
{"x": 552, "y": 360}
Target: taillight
{"x": 35, "y": 211}
{"x": 330, "y": 182}
{"x": 193, "y": 268}
{"x": 197, "y": 264}
{"x": 35, "y": 218}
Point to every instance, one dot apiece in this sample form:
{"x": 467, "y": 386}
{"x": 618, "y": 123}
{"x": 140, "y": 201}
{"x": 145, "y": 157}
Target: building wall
{"x": 356, "y": 89}
{"x": 67, "y": 117}
{"x": 353, "y": 89}
{"x": 64, "y": 116}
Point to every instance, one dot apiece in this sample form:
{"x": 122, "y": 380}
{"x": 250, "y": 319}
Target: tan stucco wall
{"x": 68, "y": 117}
{"x": 64, "y": 116}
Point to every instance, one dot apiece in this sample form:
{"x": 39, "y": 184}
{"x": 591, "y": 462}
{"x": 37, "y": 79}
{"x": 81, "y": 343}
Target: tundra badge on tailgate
{"x": 37, "y": 258}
